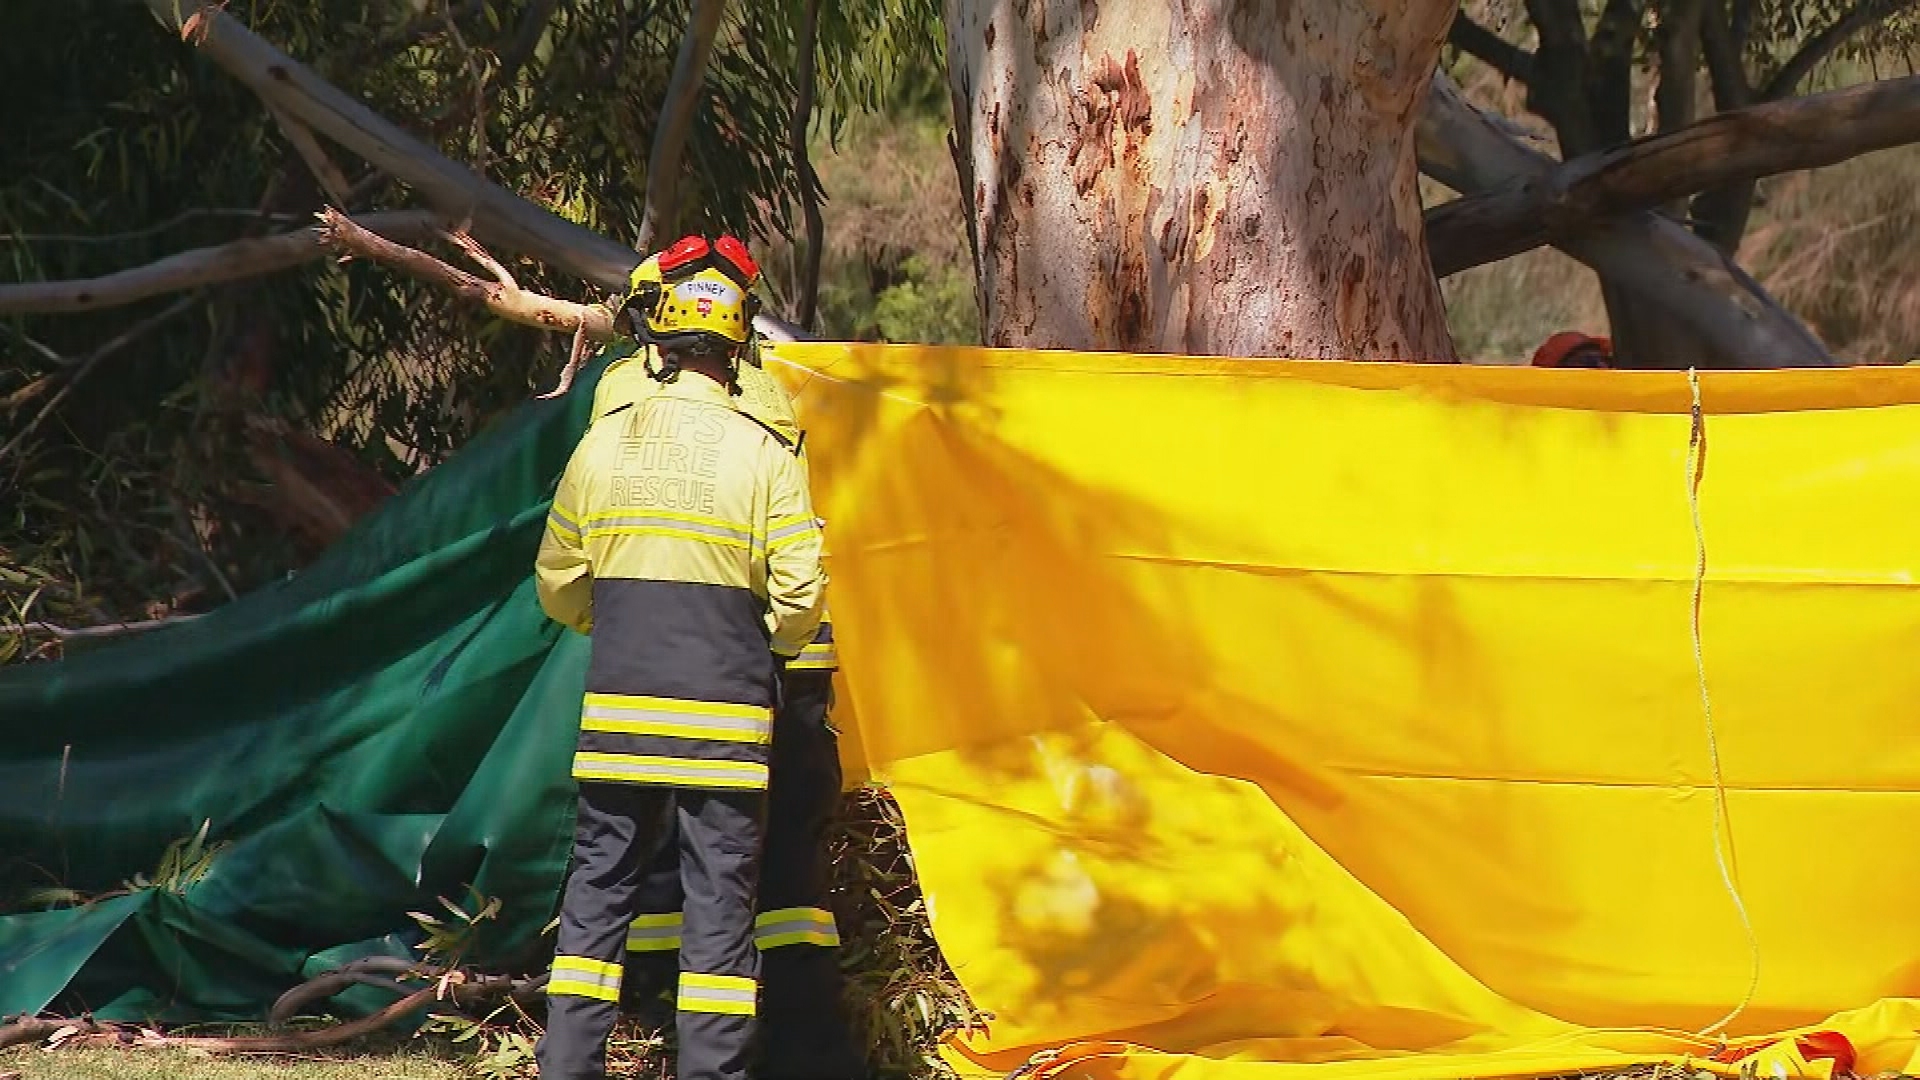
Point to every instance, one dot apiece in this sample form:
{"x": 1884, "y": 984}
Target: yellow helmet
{"x": 704, "y": 306}
{"x": 647, "y": 273}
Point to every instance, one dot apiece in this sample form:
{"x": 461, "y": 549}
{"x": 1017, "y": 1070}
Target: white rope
{"x": 1722, "y": 819}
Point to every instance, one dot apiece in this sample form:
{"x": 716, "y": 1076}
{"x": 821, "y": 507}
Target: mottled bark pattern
{"x": 1231, "y": 177}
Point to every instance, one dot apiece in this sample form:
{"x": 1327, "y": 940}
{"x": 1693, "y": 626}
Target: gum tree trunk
{"x": 1231, "y": 177}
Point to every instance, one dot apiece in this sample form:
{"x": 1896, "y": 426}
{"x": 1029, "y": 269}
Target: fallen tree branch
{"x": 383, "y": 971}
{"x": 295, "y": 1042}
{"x": 500, "y": 217}
{"x": 465, "y": 989}
{"x": 1662, "y": 264}
{"x": 195, "y": 268}
{"x": 28, "y": 1029}
{"x": 1783, "y": 136}
{"x": 676, "y": 120}
{"x": 341, "y": 234}
{"x": 472, "y": 249}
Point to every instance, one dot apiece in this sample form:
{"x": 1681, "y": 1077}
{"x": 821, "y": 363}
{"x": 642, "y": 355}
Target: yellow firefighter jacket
{"x": 682, "y": 537}
{"x": 625, "y": 384}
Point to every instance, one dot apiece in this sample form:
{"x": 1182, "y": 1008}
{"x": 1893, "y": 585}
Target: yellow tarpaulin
{"x": 1250, "y": 716}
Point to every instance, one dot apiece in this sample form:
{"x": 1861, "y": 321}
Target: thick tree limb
{"x": 195, "y": 268}
{"x": 1787, "y": 80}
{"x": 676, "y": 120}
{"x": 1660, "y": 263}
{"x": 803, "y": 167}
{"x": 500, "y": 217}
{"x": 1801, "y": 133}
{"x": 1510, "y": 60}
{"x": 339, "y": 233}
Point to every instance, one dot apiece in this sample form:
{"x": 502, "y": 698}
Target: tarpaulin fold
{"x": 1247, "y": 716}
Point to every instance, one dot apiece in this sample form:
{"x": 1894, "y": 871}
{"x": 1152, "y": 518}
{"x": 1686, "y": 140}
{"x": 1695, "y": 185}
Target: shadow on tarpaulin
{"x": 1247, "y": 716}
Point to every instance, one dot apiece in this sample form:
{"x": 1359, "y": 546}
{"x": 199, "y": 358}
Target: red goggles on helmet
{"x": 691, "y": 254}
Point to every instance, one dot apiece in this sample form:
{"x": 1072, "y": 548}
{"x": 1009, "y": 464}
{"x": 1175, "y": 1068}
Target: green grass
{"x": 380, "y": 1061}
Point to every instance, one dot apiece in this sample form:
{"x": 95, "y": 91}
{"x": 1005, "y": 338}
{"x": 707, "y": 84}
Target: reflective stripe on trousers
{"x": 732, "y": 995}
{"x": 771, "y": 930}
{"x": 583, "y": 976}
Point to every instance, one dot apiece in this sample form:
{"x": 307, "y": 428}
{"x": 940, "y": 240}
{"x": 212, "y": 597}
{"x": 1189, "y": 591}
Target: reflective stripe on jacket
{"x": 625, "y": 384}
{"x": 682, "y": 537}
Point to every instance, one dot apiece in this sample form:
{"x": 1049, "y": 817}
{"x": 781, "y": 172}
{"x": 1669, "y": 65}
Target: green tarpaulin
{"x": 390, "y": 725}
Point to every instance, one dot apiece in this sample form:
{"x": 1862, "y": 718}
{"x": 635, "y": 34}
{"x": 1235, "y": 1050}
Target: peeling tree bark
{"x": 1211, "y": 176}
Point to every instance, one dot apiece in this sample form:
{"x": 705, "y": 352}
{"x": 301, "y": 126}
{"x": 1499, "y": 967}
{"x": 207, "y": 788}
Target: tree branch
{"x": 325, "y": 172}
{"x": 300, "y": 1041}
{"x": 676, "y": 120}
{"x": 501, "y": 217}
{"x": 1674, "y": 99}
{"x": 1725, "y": 69}
{"x": 533, "y": 27}
{"x": 474, "y": 251}
{"x": 1609, "y": 86}
{"x": 1742, "y": 24}
{"x": 104, "y": 630}
{"x": 1562, "y": 99}
{"x": 339, "y": 233}
{"x": 1660, "y": 263}
{"x": 1787, "y": 80}
{"x": 192, "y": 269}
{"x": 1510, "y": 60}
{"x": 1800, "y": 133}
{"x": 75, "y": 374}
{"x": 809, "y": 300}
{"x": 144, "y": 232}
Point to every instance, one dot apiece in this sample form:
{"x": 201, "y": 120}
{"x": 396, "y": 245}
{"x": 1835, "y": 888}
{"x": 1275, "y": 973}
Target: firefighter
{"x": 804, "y": 1024}
{"x": 682, "y": 539}
{"x": 1571, "y": 349}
